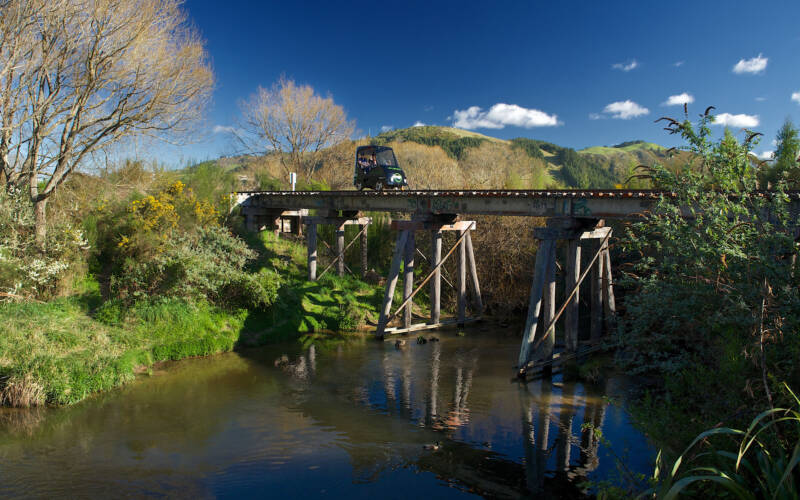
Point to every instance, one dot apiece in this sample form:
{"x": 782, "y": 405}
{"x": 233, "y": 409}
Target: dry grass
{"x": 22, "y": 392}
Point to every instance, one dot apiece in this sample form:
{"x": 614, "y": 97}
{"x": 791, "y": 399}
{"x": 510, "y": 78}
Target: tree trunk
{"x": 40, "y": 213}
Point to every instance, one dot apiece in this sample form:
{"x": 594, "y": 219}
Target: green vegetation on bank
{"x": 149, "y": 274}
{"x": 712, "y": 315}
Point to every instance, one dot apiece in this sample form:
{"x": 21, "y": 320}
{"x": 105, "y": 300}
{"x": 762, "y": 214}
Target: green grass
{"x": 62, "y": 351}
{"x": 64, "y": 354}
{"x": 630, "y": 148}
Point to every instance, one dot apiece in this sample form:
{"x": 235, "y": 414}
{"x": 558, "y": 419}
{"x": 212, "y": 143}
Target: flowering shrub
{"x": 24, "y": 269}
{"x": 172, "y": 244}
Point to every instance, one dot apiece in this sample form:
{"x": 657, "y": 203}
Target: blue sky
{"x": 575, "y": 73}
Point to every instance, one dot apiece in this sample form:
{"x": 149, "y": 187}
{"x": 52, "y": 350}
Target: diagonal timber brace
{"x": 543, "y": 291}
{"x": 405, "y": 248}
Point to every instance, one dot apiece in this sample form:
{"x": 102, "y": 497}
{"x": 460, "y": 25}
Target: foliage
{"x": 56, "y": 353}
{"x": 530, "y": 146}
{"x": 210, "y": 181}
{"x": 24, "y": 270}
{"x": 171, "y": 244}
{"x": 293, "y": 120}
{"x": 454, "y": 145}
{"x": 577, "y": 172}
{"x": 428, "y": 167}
{"x": 711, "y": 287}
{"x": 763, "y": 465}
{"x": 98, "y": 80}
{"x": 786, "y": 160}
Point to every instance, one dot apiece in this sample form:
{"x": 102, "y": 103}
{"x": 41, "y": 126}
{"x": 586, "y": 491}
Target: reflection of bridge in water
{"x": 396, "y": 408}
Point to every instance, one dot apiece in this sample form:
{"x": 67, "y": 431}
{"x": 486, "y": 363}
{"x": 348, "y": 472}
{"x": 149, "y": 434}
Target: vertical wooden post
{"x": 278, "y": 221}
{"x": 473, "y": 272}
{"x": 391, "y": 283}
{"x": 340, "y": 250}
{"x": 312, "y": 252}
{"x": 596, "y": 327}
{"x": 408, "y": 277}
{"x": 608, "y": 291}
{"x": 364, "y": 261}
{"x": 571, "y": 313}
{"x": 549, "y": 310}
{"x": 462, "y": 281}
{"x": 436, "y": 281}
{"x": 543, "y": 255}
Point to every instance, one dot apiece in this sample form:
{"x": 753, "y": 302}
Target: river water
{"x": 358, "y": 420}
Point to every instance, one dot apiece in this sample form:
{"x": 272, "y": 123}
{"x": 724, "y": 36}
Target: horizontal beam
{"x": 415, "y": 225}
{"x": 554, "y": 233}
{"x": 596, "y": 204}
{"x": 430, "y": 326}
{"x": 338, "y": 221}
{"x": 276, "y": 211}
{"x": 590, "y": 204}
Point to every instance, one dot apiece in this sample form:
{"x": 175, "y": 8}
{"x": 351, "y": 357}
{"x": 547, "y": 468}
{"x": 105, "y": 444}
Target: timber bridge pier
{"x": 576, "y": 216}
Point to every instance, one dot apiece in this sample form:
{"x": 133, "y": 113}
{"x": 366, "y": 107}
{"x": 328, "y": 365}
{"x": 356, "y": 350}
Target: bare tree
{"x": 294, "y": 121}
{"x": 94, "y": 73}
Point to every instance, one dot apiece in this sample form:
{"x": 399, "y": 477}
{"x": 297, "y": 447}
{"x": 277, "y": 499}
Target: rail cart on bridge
{"x": 376, "y": 168}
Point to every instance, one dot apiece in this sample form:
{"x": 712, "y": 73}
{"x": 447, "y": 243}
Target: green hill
{"x": 454, "y": 141}
{"x": 597, "y": 167}
{"x": 593, "y": 167}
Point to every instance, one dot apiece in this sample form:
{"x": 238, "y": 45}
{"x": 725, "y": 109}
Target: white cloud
{"x": 796, "y": 97}
{"x": 764, "y": 155}
{"x": 625, "y": 110}
{"x": 678, "y": 64}
{"x": 679, "y": 100}
{"x": 754, "y": 65}
{"x": 500, "y": 115}
{"x": 386, "y": 128}
{"x": 633, "y": 64}
{"x": 223, "y": 129}
{"x": 738, "y": 121}
{"x": 761, "y": 99}
{"x": 596, "y": 116}
{"x": 419, "y": 124}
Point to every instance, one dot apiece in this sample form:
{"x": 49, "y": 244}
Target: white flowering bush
{"x": 25, "y": 270}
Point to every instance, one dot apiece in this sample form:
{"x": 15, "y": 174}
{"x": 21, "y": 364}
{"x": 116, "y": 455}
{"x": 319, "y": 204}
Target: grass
{"x": 62, "y": 351}
{"x": 58, "y": 353}
{"x": 759, "y": 462}
{"x": 605, "y": 150}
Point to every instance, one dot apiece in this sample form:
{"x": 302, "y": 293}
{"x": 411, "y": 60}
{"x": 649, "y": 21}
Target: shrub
{"x": 712, "y": 269}
{"x": 26, "y": 270}
{"x": 171, "y": 244}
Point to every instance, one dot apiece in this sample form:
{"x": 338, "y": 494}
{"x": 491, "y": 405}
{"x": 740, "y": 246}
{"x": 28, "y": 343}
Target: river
{"x": 360, "y": 419}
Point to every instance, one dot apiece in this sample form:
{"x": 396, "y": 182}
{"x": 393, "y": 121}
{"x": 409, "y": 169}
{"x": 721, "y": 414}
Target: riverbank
{"x": 62, "y": 351}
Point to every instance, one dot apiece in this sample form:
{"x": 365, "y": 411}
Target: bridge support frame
{"x": 261, "y": 219}
{"x": 312, "y": 238}
{"x": 404, "y": 251}
{"x": 540, "y": 350}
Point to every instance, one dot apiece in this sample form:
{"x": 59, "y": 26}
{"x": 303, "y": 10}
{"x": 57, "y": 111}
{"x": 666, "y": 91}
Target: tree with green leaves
{"x": 787, "y": 154}
{"x": 712, "y": 299}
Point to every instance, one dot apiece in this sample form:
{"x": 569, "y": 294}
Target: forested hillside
{"x": 450, "y": 158}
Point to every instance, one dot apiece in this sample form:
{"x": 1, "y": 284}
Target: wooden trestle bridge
{"x": 577, "y": 216}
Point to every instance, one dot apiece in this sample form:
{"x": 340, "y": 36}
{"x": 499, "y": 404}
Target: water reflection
{"x": 361, "y": 419}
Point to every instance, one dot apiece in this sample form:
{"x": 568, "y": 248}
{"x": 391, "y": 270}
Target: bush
{"x": 171, "y": 244}
{"x": 25, "y": 270}
{"x": 711, "y": 288}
